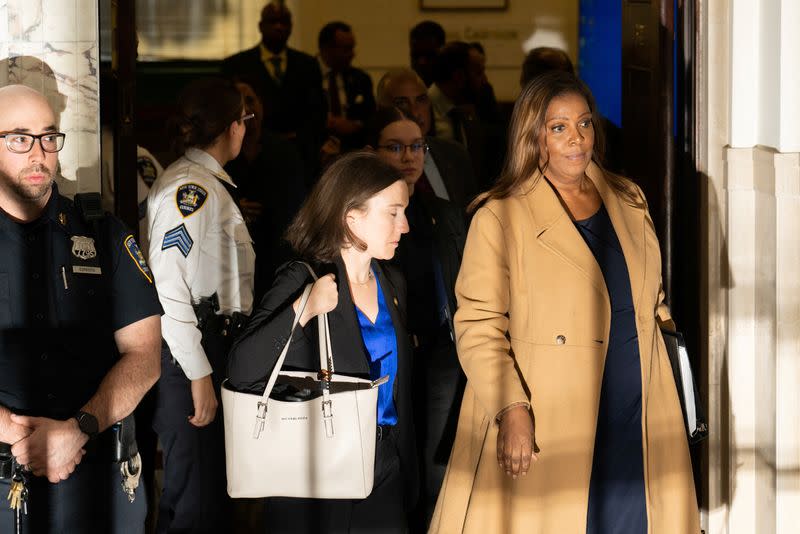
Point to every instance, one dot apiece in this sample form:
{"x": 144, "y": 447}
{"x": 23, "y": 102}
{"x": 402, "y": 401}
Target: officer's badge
{"x": 147, "y": 170}
{"x": 136, "y": 255}
{"x": 178, "y": 238}
{"x": 190, "y": 198}
{"x": 83, "y": 247}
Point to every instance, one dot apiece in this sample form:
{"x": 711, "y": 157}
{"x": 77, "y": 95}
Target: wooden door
{"x": 117, "y": 96}
{"x": 658, "y": 122}
{"x": 648, "y": 111}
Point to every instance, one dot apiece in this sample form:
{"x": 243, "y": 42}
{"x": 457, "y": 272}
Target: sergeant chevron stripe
{"x": 179, "y": 238}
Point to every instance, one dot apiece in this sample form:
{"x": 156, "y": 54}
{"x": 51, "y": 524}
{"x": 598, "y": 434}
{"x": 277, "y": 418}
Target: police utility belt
{"x": 214, "y": 324}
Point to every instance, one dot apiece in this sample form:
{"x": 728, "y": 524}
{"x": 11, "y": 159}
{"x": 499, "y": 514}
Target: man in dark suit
{"x": 348, "y": 89}
{"x": 287, "y": 81}
{"x": 459, "y": 78}
{"x": 424, "y": 42}
{"x": 447, "y": 169}
{"x": 268, "y": 174}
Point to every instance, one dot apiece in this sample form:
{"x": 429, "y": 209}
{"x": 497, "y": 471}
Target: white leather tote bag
{"x": 314, "y": 438}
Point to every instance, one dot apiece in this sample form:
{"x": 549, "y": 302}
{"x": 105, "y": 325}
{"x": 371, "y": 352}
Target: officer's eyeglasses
{"x": 398, "y": 148}
{"x": 21, "y": 143}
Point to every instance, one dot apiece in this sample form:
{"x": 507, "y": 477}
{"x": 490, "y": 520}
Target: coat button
{"x": 561, "y": 339}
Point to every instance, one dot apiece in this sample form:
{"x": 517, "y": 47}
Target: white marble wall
{"x": 752, "y": 263}
{"x": 787, "y": 350}
{"x": 751, "y": 329}
{"x": 52, "y": 46}
{"x": 753, "y": 288}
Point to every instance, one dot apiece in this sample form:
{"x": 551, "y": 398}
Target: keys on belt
{"x": 18, "y": 492}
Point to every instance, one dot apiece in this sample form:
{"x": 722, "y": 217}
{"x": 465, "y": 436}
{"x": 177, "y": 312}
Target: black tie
{"x": 276, "y": 68}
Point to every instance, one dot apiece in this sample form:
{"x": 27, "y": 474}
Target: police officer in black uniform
{"x": 79, "y": 340}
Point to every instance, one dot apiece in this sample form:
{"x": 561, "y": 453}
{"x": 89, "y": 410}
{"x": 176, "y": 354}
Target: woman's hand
{"x": 515, "y": 441}
{"x": 323, "y": 299}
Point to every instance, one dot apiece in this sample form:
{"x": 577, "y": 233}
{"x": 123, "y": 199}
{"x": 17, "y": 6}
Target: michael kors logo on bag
{"x": 294, "y": 418}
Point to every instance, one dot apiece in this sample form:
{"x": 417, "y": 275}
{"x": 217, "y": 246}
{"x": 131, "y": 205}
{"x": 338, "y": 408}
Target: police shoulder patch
{"x": 190, "y": 198}
{"x": 147, "y": 170}
{"x": 136, "y": 255}
{"x": 179, "y": 238}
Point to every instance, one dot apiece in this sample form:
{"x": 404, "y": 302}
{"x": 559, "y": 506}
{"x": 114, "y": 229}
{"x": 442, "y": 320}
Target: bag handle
{"x": 325, "y": 352}
{"x": 325, "y": 364}
{"x": 325, "y": 359}
{"x": 261, "y": 415}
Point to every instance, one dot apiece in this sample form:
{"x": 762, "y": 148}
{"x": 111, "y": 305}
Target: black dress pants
{"x": 383, "y": 512}
{"x": 194, "y": 498}
{"x": 439, "y": 388}
{"x": 90, "y": 501}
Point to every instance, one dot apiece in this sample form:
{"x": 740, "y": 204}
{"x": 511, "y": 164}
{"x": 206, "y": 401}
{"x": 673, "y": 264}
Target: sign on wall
{"x": 462, "y": 4}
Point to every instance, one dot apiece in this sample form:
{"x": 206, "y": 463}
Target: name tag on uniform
{"x": 85, "y": 269}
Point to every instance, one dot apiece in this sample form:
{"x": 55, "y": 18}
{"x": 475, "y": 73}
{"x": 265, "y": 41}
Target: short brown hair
{"x": 544, "y": 59}
{"x": 319, "y": 231}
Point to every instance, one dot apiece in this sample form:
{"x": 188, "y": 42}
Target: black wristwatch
{"x": 88, "y": 424}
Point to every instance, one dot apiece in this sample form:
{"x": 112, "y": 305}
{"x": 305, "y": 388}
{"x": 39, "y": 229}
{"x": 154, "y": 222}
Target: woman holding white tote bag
{"x": 353, "y": 219}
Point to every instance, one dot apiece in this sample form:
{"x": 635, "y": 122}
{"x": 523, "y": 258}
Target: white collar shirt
{"x": 199, "y": 245}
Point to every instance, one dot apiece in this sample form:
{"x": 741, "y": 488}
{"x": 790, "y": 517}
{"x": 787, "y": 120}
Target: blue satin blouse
{"x": 380, "y": 341}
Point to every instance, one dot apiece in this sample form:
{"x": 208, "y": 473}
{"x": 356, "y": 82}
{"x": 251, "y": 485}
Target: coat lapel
{"x": 555, "y": 231}
{"x": 629, "y": 224}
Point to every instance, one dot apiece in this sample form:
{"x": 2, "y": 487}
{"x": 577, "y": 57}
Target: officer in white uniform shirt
{"x": 203, "y": 262}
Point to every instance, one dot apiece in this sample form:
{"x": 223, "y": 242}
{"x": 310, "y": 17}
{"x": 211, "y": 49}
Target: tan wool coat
{"x": 532, "y": 326}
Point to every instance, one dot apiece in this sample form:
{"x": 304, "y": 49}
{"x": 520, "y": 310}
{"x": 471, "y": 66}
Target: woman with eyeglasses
{"x": 202, "y": 258}
{"x": 429, "y": 257}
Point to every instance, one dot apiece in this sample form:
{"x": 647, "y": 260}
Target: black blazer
{"x": 360, "y": 100}
{"x": 436, "y": 226}
{"x": 455, "y": 167}
{"x": 255, "y": 352}
{"x": 296, "y": 105}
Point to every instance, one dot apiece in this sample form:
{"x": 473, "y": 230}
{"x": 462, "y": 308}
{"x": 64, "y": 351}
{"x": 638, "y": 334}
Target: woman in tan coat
{"x": 570, "y": 421}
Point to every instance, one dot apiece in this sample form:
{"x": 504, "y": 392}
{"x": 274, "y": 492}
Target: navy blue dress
{"x": 616, "y": 491}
